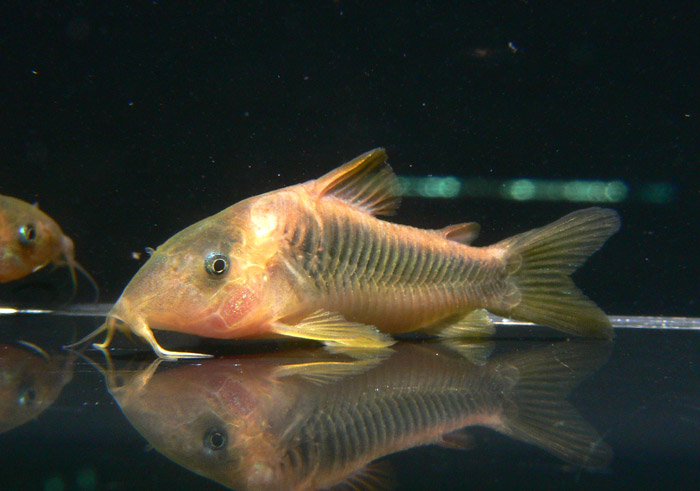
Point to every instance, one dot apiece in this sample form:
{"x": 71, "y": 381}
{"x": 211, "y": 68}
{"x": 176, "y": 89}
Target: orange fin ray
{"x": 366, "y": 182}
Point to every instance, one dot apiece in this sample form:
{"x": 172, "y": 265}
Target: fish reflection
{"x": 30, "y": 382}
{"x": 310, "y": 419}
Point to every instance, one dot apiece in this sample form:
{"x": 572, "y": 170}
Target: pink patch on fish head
{"x": 237, "y": 305}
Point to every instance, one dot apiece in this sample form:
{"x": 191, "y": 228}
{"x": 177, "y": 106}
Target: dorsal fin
{"x": 366, "y": 182}
{"x": 464, "y": 233}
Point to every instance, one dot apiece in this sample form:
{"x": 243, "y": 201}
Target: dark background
{"x": 128, "y": 121}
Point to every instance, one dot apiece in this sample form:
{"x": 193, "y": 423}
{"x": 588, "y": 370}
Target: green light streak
{"x": 574, "y": 190}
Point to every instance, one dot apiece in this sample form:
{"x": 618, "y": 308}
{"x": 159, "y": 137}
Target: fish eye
{"x": 27, "y": 395}
{"x": 215, "y": 439}
{"x": 216, "y": 263}
{"x": 27, "y": 234}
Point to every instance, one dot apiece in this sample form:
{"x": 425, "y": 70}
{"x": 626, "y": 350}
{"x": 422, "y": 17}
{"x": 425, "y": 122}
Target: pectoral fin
{"x": 334, "y": 330}
{"x": 142, "y": 330}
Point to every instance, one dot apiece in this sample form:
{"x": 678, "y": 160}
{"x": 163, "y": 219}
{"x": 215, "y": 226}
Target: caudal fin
{"x": 541, "y": 415}
{"x": 540, "y": 262}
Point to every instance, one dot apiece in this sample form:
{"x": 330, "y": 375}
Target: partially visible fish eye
{"x": 215, "y": 439}
{"x": 27, "y": 234}
{"x": 27, "y": 395}
{"x": 216, "y": 263}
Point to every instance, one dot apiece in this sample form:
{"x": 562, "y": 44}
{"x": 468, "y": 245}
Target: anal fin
{"x": 476, "y": 324}
{"x": 476, "y": 351}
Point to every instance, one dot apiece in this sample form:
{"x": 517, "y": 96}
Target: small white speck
{"x": 34, "y": 72}
{"x": 130, "y": 103}
{"x": 512, "y": 47}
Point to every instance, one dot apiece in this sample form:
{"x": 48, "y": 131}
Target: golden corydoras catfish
{"x": 312, "y": 261}
{"x": 307, "y": 420}
{"x": 31, "y": 240}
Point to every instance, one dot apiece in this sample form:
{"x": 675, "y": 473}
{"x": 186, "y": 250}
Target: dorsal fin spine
{"x": 366, "y": 183}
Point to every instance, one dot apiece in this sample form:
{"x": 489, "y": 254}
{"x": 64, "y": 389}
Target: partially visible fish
{"x": 30, "y": 382}
{"x": 307, "y": 420}
{"x": 31, "y": 240}
{"x": 312, "y": 261}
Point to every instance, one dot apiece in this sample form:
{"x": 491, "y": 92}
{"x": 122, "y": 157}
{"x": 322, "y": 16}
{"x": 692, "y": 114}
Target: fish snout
{"x": 159, "y": 295}
{"x": 68, "y": 249}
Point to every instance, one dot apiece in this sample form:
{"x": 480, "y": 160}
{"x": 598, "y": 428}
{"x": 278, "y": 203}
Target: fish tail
{"x": 540, "y": 414}
{"x": 540, "y": 263}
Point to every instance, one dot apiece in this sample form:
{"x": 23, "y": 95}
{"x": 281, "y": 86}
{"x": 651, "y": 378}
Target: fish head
{"x": 30, "y": 381}
{"x": 207, "y": 417}
{"x": 29, "y": 239}
{"x": 201, "y": 281}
